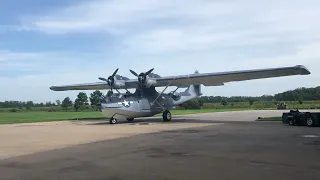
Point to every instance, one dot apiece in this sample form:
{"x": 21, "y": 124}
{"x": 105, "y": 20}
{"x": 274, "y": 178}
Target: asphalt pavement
{"x": 232, "y": 150}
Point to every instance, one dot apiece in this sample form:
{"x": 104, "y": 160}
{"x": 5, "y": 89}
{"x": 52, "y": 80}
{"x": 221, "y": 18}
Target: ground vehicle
{"x": 295, "y": 117}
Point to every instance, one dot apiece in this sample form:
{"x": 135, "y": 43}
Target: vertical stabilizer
{"x": 193, "y": 91}
{"x": 197, "y": 87}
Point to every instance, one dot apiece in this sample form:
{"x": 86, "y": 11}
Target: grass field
{"x": 270, "y": 119}
{"x": 42, "y": 116}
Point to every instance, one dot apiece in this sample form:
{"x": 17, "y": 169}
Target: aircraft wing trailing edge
{"x": 206, "y": 79}
{"x": 220, "y": 78}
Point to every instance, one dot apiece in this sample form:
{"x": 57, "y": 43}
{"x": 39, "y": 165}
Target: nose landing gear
{"x": 113, "y": 120}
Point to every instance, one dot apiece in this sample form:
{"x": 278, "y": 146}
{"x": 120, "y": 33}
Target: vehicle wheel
{"x": 166, "y": 115}
{"x": 291, "y": 122}
{"x": 130, "y": 119}
{"x": 113, "y": 121}
{"x": 310, "y": 122}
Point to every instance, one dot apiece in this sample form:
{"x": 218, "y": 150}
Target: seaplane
{"x": 146, "y": 101}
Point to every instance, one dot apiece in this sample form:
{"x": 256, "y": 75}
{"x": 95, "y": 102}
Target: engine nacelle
{"x": 118, "y": 84}
{"x": 149, "y": 82}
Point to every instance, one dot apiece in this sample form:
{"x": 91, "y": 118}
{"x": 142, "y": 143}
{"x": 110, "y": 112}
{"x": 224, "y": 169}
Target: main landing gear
{"x": 166, "y": 116}
{"x": 114, "y": 121}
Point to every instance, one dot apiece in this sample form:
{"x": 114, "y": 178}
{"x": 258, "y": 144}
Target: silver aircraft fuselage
{"x": 127, "y": 108}
{"x": 130, "y": 106}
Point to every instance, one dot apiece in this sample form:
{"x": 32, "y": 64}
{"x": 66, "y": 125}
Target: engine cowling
{"x": 115, "y": 81}
{"x": 144, "y": 78}
{"x": 149, "y": 82}
{"x": 118, "y": 84}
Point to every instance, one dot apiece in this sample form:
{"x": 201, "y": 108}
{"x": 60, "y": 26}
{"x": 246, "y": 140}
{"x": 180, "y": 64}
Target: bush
{"x": 52, "y": 110}
{"x": 259, "y": 106}
{"x": 14, "y": 110}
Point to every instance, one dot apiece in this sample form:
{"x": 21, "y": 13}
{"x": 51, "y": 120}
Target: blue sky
{"x": 44, "y": 43}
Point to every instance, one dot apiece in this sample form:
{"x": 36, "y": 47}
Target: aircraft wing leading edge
{"x": 220, "y": 78}
{"x": 207, "y": 79}
{"x": 84, "y": 86}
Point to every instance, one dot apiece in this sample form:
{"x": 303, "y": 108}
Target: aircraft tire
{"x": 113, "y": 121}
{"x": 166, "y": 116}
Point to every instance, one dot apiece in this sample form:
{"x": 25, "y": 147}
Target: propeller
{"x": 142, "y": 77}
{"x": 110, "y": 79}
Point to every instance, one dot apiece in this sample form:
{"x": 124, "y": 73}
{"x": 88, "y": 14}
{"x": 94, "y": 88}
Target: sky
{"x": 45, "y": 43}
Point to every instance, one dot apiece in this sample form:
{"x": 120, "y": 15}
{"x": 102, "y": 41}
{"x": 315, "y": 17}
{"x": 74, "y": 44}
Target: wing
{"x": 93, "y": 86}
{"x": 220, "y": 78}
{"x": 207, "y": 79}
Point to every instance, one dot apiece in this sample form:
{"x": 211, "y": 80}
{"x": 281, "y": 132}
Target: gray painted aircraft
{"x": 146, "y": 101}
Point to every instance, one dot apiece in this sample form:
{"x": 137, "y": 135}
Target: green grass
{"x": 27, "y": 117}
{"x": 270, "y": 119}
{"x": 42, "y": 116}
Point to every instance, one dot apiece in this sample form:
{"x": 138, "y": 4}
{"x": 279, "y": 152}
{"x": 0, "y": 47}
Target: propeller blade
{"x": 147, "y": 73}
{"x": 115, "y": 72}
{"x": 103, "y": 79}
{"x": 134, "y": 73}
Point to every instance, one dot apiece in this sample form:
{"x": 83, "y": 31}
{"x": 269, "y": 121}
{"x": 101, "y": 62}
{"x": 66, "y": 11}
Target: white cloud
{"x": 112, "y": 16}
{"x": 154, "y": 26}
{"x": 174, "y": 37}
{"x": 36, "y": 87}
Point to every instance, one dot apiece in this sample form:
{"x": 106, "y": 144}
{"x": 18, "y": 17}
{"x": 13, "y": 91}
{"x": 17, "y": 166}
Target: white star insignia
{"x": 126, "y": 103}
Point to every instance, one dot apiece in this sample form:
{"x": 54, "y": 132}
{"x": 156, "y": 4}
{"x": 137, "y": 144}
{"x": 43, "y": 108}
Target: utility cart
{"x": 295, "y": 117}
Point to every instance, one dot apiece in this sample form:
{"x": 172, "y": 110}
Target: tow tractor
{"x": 295, "y": 117}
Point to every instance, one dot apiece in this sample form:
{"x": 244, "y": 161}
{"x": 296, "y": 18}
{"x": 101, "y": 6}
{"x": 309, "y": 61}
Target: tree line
{"x": 299, "y": 94}
{"x": 83, "y": 100}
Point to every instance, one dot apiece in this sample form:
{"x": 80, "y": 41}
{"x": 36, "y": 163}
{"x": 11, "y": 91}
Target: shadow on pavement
{"x": 147, "y": 121}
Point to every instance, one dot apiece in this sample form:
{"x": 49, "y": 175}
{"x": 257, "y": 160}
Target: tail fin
{"x": 195, "y": 89}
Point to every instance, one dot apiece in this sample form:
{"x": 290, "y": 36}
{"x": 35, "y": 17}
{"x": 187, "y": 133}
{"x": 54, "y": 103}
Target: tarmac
{"x": 229, "y": 145}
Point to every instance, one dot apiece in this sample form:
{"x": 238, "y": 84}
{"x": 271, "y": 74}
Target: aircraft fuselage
{"x": 147, "y": 104}
{"x": 128, "y": 108}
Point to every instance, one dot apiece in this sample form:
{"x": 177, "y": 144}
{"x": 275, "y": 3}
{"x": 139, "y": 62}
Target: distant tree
{"x": 49, "y": 104}
{"x": 95, "y": 98}
{"x": 200, "y": 102}
{"x": 251, "y": 101}
{"x": 81, "y": 101}
{"x": 29, "y": 104}
{"x": 58, "y": 102}
{"x": 224, "y": 102}
{"x": 300, "y": 100}
{"x": 109, "y": 93}
{"x": 191, "y": 104}
{"x": 66, "y": 103}
{"x": 77, "y": 104}
{"x": 83, "y": 98}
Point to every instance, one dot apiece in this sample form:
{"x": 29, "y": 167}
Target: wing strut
{"x": 160, "y": 94}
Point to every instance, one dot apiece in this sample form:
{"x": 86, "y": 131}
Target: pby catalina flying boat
{"x": 146, "y": 101}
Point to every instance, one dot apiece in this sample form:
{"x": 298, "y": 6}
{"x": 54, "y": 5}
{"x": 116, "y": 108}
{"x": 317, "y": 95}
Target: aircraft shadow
{"x": 146, "y": 121}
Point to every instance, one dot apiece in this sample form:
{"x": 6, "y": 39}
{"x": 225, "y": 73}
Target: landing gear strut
{"x": 166, "y": 116}
{"x": 113, "y": 120}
